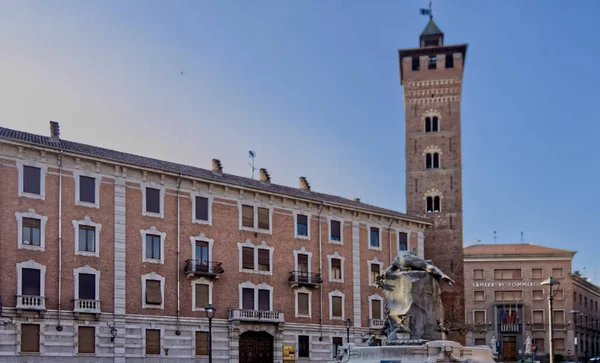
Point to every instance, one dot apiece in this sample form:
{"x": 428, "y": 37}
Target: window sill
{"x": 87, "y": 254}
{"x": 152, "y": 214}
{"x": 336, "y": 318}
{"x": 87, "y": 204}
{"x": 158, "y": 307}
{"x": 299, "y": 236}
{"x": 337, "y": 281}
{"x": 332, "y": 241}
{"x": 257, "y": 230}
{"x": 256, "y": 272}
{"x": 303, "y": 316}
{"x": 151, "y": 260}
{"x": 375, "y": 248}
{"x": 30, "y": 353}
{"x": 201, "y": 221}
{"x": 32, "y": 196}
{"x": 31, "y": 247}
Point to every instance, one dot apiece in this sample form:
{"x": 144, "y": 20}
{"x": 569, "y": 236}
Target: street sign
{"x": 288, "y": 353}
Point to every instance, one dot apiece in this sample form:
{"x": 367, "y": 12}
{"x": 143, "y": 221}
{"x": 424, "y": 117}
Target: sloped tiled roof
{"x": 431, "y": 29}
{"x": 512, "y": 249}
{"x": 191, "y": 171}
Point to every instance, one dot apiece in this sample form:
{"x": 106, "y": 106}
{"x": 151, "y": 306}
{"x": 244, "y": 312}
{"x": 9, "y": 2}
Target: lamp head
{"x": 348, "y": 323}
{"x": 210, "y": 311}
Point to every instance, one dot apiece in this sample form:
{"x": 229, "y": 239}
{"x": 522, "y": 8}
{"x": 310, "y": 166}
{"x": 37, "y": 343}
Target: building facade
{"x": 432, "y": 77}
{"x": 113, "y": 257}
{"x": 506, "y": 301}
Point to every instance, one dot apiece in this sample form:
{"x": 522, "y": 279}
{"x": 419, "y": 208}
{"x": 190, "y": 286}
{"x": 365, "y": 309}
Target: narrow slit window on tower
{"x": 432, "y": 62}
{"x": 428, "y": 161}
{"x": 427, "y": 124}
{"x": 415, "y": 64}
{"x": 435, "y": 125}
{"x": 449, "y": 61}
{"x": 436, "y": 160}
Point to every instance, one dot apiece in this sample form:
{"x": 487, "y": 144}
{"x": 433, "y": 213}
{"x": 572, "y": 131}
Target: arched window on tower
{"x": 433, "y": 204}
{"x": 432, "y": 124}
{"x": 432, "y": 160}
{"x": 427, "y": 124}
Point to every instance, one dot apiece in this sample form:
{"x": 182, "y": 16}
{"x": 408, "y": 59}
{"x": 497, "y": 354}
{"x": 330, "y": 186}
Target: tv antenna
{"x": 252, "y": 155}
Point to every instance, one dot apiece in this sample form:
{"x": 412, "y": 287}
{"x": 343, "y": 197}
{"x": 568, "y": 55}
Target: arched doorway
{"x": 256, "y": 347}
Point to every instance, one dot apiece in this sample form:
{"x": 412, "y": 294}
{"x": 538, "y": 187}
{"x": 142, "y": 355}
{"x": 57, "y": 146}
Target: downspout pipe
{"x": 390, "y": 232}
{"x": 60, "y": 164}
{"x": 178, "y": 332}
{"x": 321, "y": 273}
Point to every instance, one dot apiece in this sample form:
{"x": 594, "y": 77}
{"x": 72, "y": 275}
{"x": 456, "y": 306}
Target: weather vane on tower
{"x": 427, "y": 12}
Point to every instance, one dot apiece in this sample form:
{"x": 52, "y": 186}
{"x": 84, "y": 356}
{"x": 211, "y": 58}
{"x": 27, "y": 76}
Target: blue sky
{"x": 313, "y": 87}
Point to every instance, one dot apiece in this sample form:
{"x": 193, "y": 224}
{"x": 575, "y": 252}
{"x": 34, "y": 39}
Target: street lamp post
{"x": 575, "y": 312}
{"x": 210, "y": 313}
{"x": 348, "y": 323}
{"x": 550, "y": 282}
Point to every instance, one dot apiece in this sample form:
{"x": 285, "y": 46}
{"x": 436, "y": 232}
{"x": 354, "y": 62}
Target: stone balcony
{"x": 86, "y": 306}
{"x": 257, "y": 316}
{"x": 31, "y": 302}
{"x": 376, "y": 323}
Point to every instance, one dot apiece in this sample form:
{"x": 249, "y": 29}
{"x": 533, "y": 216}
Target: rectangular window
{"x": 31, "y": 231}
{"x": 201, "y": 209}
{"x": 264, "y": 263}
{"x": 375, "y": 269}
{"x": 303, "y": 265}
{"x": 87, "y": 189}
{"x": 559, "y": 343}
{"x": 264, "y": 300}
{"x": 432, "y": 62}
{"x": 558, "y": 317}
{"x": 507, "y": 274}
{"x": 30, "y": 338}
{"x": 152, "y": 341}
{"x": 153, "y": 294}
{"x": 30, "y": 282}
{"x": 538, "y": 316}
{"x": 202, "y": 255}
{"x": 87, "y": 239}
{"x": 152, "y": 200}
{"x": 336, "y": 268}
{"x": 263, "y": 218}
{"x": 557, "y": 273}
{"x": 86, "y": 340}
{"x": 449, "y": 61}
{"x": 336, "y": 230}
{"x": 508, "y": 295}
{"x": 478, "y": 274}
{"x": 248, "y": 216}
{"x": 585, "y": 300}
{"x": 536, "y": 273}
{"x": 201, "y": 295}
{"x": 375, "y": 309}
{"x": 479, "y": 317}
{"x": 247, "y": 298}
{"x": 87, "y": 286}
{"x": 538, "y": 295}
{"x": 303, "y": 346}
{"x": 303, "y": 304}
{"x": 301, "y": 225}
{"x": 403, "y": 241}
{"x": 374, "y": 237}
{"x": 336, "y": 306}
{"x": 479, "y": 295}
{"x": 153, "y": 246}
{"x": 31, "y": 180}
{"x": 201, "y": 343}
{"x": 248, "y": 258}
{"x": 337, "y": 342}
{"x": 480, "y": 341}
{"x": 416, "y": 64}
{"x": 539, "y": 344}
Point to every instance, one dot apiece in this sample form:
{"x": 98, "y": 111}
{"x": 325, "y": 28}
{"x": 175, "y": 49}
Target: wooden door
{"x": 509, "y": 348}
{"x": 254, "y": 349}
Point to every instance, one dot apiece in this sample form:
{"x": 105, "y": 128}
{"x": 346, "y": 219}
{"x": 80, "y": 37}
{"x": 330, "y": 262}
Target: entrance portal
{"x": 509, "y": 348}
{"x": 256, "y": 347}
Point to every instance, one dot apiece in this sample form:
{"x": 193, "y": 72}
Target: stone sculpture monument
{"x": 414, "y": 319}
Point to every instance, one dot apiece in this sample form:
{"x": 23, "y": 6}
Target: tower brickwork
{"x": 432, "y": 77}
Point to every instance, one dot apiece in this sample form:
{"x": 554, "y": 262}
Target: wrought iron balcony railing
{"x": 203, "y": 268}
{"x": 86, "y": 306}
{"x": 31, "y": 302}
{"x": 303, "y": 278}
{"x": 262, "y": 316}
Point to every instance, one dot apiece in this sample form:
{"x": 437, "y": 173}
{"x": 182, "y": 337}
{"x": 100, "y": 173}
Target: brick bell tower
{"x": 432, "y": 77}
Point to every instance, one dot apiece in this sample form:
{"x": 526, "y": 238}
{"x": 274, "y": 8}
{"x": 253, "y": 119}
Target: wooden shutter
{"x": 153, "y": 295}
{"x": 375, "y": 309}
{"x": 31, "y": 179}
{"x": 152, "y": 200}
{"x": 248, "y": 258}
{"x": 86, "y": 339}
{"x": 248, "y": 216}
{"x": 336, "y": 306}
{"x": 264, "y": 300}
{"x": 263, "y": 260}
{"x": 201, "y": 295}
{"x": 201, "y": 343}
{"x": 30, "y": 338}
{"x": 247, "y": 298}
{"x": 87, "y": 189}
{"x": 87, "y": 286}
{"x": 303, "y": 304}
{"x": 336, "y": 230}
{"x": 263, "y": 218}
{"x": 202, "y": 208}
{"x": 152, "y": 341}
{"x": 402, "y": 241}
{"x": 30, "y": 282}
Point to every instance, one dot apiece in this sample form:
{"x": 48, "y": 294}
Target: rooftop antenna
{"x": 522, "y": 237}
{"x": 252, "y": 155}
{"x": 495, "y": 237}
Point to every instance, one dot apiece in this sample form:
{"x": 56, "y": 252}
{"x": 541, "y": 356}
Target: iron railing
{"x": 305, "y": 278}
{"x": 203, "y": 268}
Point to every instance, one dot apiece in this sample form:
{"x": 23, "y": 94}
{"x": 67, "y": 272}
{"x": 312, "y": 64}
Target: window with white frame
{"x": 336, "y": 267}
{"x": 374, "y": 238}
{"x": 302, "y": 223}
{"x": 87, "y": 189}
{"x": 202, "y": 208}
{"x": 31, "y": 230}
{"x": 153, "y": 200}
{"x": 537, "y": 316}
{"x": 336, "y": 305}
{"x": 32, "y": 179}
{"x": 31, "y": 278}
{"x": 375, "y": 267}
{"x": 201, "y": 294}
{"x": 153, "y": 245}
{"x": 153, "y": 291}
{"x": 402, "y": 241}
{"x": 255, "y": 297}
{"x": 255, "y": 218}
{"x": 375, "y": 307}
{"x": 255, "y": 258}
{"x": 202, "y": 252}
{"x": 303, "y": 302}
{"x": 302, "y": 260}
{"x": 87, "y": 237}
{"x": 87, "y": 288}
{"x": 336, "y": 231}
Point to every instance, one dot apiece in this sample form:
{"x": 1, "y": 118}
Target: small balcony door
{"x": 303, "y": 268}
{"x": 202, "y": 262}
{"x": 31, "y": 282}
{"x": 87, "y": 287}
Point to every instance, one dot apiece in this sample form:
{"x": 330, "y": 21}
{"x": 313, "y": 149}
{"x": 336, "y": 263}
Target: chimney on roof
{"x": 54, "y": 130}
{"x": 304, "y": 185}
{"x": 217, "y": 168}
{"x": 357, "y": 200}
{"x": 265, "y": 177}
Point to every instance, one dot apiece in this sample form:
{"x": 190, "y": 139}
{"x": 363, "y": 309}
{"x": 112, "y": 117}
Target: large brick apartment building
{"x": 113, "y": 257}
